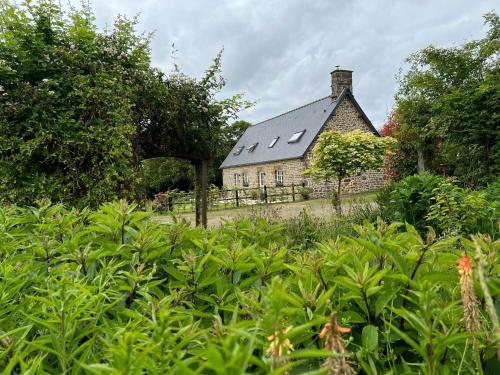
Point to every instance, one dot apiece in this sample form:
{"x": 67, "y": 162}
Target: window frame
{"x": 273, "y": 142}
{"x": 261, "y": 178}
{"x": 245, "y": 179}
{"x": 279, "y": 175}
{"x": 252, "y": 147}
{"x": 237, "y": 177}
{"x": 296, "y": 136}
{"x": 239, "y": 150}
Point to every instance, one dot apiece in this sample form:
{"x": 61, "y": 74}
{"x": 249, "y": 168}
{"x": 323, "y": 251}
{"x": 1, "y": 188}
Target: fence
{"x": 221, "y": 198}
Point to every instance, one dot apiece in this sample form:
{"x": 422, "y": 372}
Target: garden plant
{"x": 114, "y": 292}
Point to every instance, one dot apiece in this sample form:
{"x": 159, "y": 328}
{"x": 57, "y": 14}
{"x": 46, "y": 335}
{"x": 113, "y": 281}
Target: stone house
{"x": 276, "y": 152}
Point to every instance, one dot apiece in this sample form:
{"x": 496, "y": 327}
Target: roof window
{"x": 296, "y": 136}
{"x": 252, "y": 147}
{"x": 238, "y": 150}
{"x": 273, "y": 142}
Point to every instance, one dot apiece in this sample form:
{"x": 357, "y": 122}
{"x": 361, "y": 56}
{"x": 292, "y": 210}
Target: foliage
{"x": 162, "y": 174}
{"x": 305, "y": 192}
{"x": 65, "y": 104}
{"x": 340, "y": 155}
{"x": 429, "y": 200}
{"x": 113, "y": 292}
{"x": 456, "y": 209}
{"x": 448, "y": 107}
{"x": 180, "y": 116}
{"x": 80, "y": 108}
{"x": 409, "y": 199}
{"x": 402, "y": 162}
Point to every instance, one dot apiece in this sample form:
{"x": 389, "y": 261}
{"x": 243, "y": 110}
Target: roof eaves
{"x": 258, "y": 163}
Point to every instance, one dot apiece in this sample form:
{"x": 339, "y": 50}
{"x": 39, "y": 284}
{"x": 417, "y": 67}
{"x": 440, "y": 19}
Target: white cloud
{"x": 280, "y": 52}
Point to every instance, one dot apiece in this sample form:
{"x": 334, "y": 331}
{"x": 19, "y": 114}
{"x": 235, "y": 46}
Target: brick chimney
{"x": 341, "y": 79}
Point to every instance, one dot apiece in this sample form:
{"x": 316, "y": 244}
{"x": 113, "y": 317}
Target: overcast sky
{"x": 280, "y": 52}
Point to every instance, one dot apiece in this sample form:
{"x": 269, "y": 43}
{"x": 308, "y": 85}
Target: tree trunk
{"x": 201, "y": 192}
{"x": 204, "y": 195}
{"x": 420, "y": 160}
{"x": 338, "y": 206}
{"x": 197, "y": 192}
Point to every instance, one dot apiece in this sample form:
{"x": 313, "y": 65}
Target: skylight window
{"x": 273, "y": 142}
{"x": 238, "y": 150}
{"x": 252, "y": 147}
{"x": 296, "y": 136}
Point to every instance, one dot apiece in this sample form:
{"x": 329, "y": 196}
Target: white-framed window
{"x": 246, "y": 180}
{"x": 252, "y": 147}
{"x": 238, "y": 150}
{"x": 261, "y": 176}
{"x": 296, "y": 136}
{"x": 273, "y": 142}
{"x": 236, "y": 179}
{"x": 279, "y": 177}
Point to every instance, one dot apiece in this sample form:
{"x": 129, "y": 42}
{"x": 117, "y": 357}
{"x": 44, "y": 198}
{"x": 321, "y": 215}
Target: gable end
{"x": 345, "y": 95}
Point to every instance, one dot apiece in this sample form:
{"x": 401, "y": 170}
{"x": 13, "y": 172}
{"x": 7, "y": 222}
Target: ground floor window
{"x": 236, "y": 179}
{"x": 261, "y": 179}
{"x": 246, "y": 181}
{"x": 279, "y": 177}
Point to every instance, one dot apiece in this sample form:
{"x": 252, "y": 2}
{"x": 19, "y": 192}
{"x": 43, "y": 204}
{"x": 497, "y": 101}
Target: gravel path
{"x": 316, "y": 207}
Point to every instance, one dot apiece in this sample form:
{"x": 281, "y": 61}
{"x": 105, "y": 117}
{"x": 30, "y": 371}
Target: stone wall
{"x": 292, "y": 173}
{"x": 346, "y": 119}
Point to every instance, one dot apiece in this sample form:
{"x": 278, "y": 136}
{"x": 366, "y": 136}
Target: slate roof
{"x": 310, "y": 117}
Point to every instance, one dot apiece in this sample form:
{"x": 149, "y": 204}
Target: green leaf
{"x": 369, "y": 338}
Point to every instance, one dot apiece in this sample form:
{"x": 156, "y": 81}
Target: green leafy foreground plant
{"x": 113, "y": 292}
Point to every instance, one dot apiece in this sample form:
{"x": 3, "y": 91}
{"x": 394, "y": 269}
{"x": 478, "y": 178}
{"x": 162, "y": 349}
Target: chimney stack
{"x": 341, "y": 79}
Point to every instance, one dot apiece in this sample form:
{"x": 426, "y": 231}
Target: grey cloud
{"x": 280, "y": 52}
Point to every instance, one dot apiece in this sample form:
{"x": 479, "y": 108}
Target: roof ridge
{"x": 294, "y": 109}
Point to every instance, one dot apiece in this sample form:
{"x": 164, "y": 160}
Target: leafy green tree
{"x": 66, "y": 109}
{"x": 448, "y": 106}
{"x": 340, "y": 155}
{"x": 403, "y": 161}
{"x": 183, "y": 117}
{"x": 79, "y": 108}
{"x": 230, "y": 135}
{"x": 161, "y": 174}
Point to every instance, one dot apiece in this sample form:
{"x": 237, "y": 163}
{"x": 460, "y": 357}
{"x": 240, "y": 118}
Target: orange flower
{"x": 469, "y": 300}
{"x": 464, "y": 265}
{"x": 329, "y": 327}
{"x": 339, "y": 362}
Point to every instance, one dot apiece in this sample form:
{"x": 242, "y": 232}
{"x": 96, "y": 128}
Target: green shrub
{"x": 409, "y": 199}
{"x": 305, "y": 193}
{"x": 427, "y": 200}
{"x": 456, "y": 209}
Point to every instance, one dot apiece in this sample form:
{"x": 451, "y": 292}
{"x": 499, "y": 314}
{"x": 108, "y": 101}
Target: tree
{"x": 340, "y": 155}
{"x": 448, "y": 105}
{"x": 80, "y": 109}
{"x": 402, "y": 161}
{"x": 161, "y": 174}
{"x": 179, "y": 116}
{"x": 66, "y": 104}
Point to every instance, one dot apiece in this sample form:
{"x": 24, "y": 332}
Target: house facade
{"x": 277, "y": 151}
